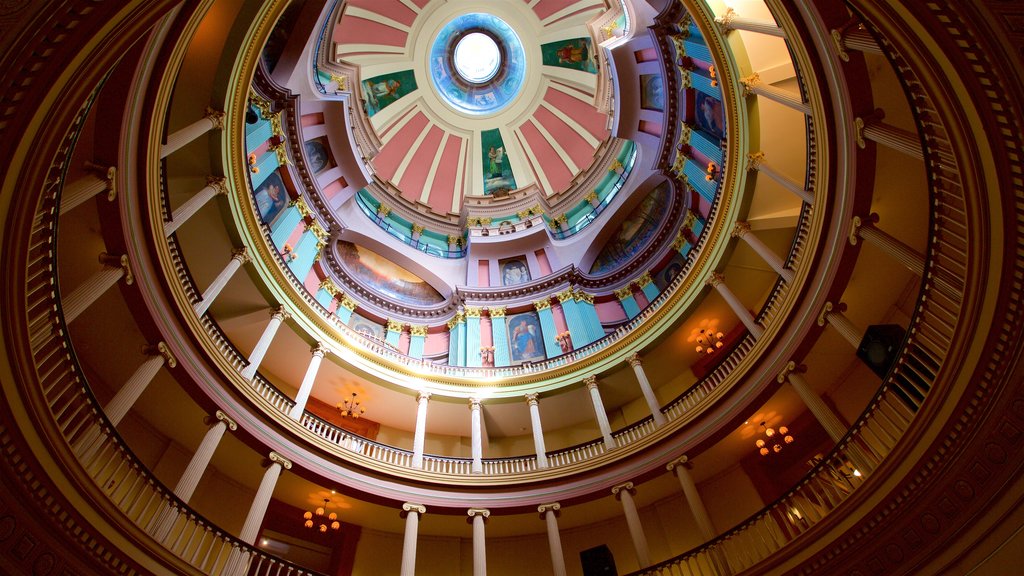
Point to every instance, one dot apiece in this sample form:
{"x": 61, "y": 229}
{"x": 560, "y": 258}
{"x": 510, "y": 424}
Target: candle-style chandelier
{"x": 350, "y": 408}
{"x": 772, "y": 440}
{"x": 708, "y": 340}
{"x": 320, "y": 519}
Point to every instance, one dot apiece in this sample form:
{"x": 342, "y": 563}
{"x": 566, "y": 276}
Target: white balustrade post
{"x": 752, "y": 85}
{"x": 599, "y": 412}
{"x": 476, "y": 432}
{"x": 549, "y": 512}
{"x": 302, "y": 396}
{"x": 832, "y": 315}
{"x": 137, "y": 383}
{"x": 114, "y": 268}
{"x": 645, "y": 387}
{"x": 277, "y": 316}
{"x": 239, "y": 256}
{"x": 538, "y": 432}
{"x": 624, "y": 493}
{"x": 743, "y": 232}
{"x": 730, "y": 20}
{"x": 412, "y": 522}
{"x": 478, "y": 517}
{"x": 693, "y": 499}
{"x": 717, "y": 281}
{"x": 212, "y": 119}
{"x": 755, "y": 161}
{"x": 98, "y": 179}
{"x": 419, "y": 437}
{"x": 214, "y": 185}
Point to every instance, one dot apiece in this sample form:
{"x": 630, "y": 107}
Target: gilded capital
{"x": 240, "y": 254}
{"x": 418, "y": 330}
{"x": 531, "y": 399}
{"x": 319, "y": 350}
{"x": 279, "y": 313}
{"x": 627, "y": 486}
{"x": 544, "y": 304}
{"x": 496, "y": 311}
{"x": 624, "y": 293}
{"x": 473, "y": 311}
{"x": 635, "y": 360}
{"x": 417, "y": 229}
{"x": 644, "y": 279}
{"x": 740, "y": 229}
{"x": 276, "y": 458}
{"x": 582, "y": 296}
{"x": 565, "y": 295}
{"x": 591, "y": 382}
{"x": 216, "y": 117}
{"x": 347, "y": 303}
{"x": 218, "y": 183}
{"x": 754, "y": 160}
{"x": 395, "y": 326}
{"x": 715, "y": 279}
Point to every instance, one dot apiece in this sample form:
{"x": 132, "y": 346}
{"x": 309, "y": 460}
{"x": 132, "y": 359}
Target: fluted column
{"x": 854, "y": 39}
{"x": 239, "y": 256}
{"x": 755, "y": 161}
{"x": 538, "y": 432}
{"x": 114, "y": 268}
{"x": 478, "y": 516}
{"x": 412, "y": 525}
{"x": 624, "y": 493}
{"x": 832, "y": 315}
{"x": 98, "y": 179}
{"x": 214, "y": 185}
{"x": 549, "y": 512}
{"x": 863, "y": 228}
{"x": 645, "y": 387}
{"x": 277, "y": 316}
{"x": 752, "y": 85}
{"x": 204, "y": 453}
{"x": 212, "y": 119}
{"x": 258, "y": 509}
{"x": 421, "y": 429}
{"x": 599, "y": 412}
{"x": 730, "y": 20}
{"x": 717, "y": 281}
{"x": 137, "y": 383}
{"x": 743, "y": 232}
{"x": 825, "y": 416}
{"x": 475, "y": 436}
{"x": 891, "y": 137}
{"x": 693, "y": 499}
{"x": 302, "y": 396}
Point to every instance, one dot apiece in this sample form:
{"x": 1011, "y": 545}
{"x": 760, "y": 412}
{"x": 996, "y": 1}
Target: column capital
{"x": 715, "y": 279}
{"x": 473, "y": 311}
{"x": 410, "y": 507}
{"x": 423, "y": 396}
{"x": 418, "y": 330}
{"x": 417, "y": 229}
{"x": 790, "y": 368}
{"x": 726, "y": 19}
{"x": 644, "y": 279}
{"x": 218, "y": 183}
{"x": 531, "y": 399}
{"x": 347, "y": 303}
{"x": 279, "y": 313}
{"x": 496, "y": 311}
{"x": 115, "y": 261}
{"x": 683, "y": 461}
{"x": 591, "y": 196}
{"x": 591, "y": 382}
{"x": 542, "y": 304}
{"x": 859, "y": 222}
{"x": 552, "y": 507}
{"x": 565, "y": 295}
{"x": 216, "y": 117}
{"x": 623, "y": 293}
{"x": 220, "y": 416}
{"x": 240, "y": 254}
{"x": 479, "y": 512}
{"x": 276, "y": 458}
{"x": 582, "y": 296}
{"x": 749, "y": 82}
{"x": 627, "y": 486}
{"x": 161, "y": 349}
{"x": 635, "y": 360}
{"x": 319, "y": 350}
{"x": 474, "y": 403}
{"x": 858, "y": 126}
{"x": 395, "y": 326}
{"x": 754, "y": 160}
{"x": 828, "y": 309}
{"x": 740, "y": 229}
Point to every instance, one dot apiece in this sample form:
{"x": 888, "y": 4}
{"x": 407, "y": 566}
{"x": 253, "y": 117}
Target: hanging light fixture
{"x": 320, "y": 519}
{"x": 351, "y": 407}
{"x": 708, "y": 341}
{"x": 772, "y": 441}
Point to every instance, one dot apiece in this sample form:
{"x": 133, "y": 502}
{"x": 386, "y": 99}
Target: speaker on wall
{"x": 598, "y": 561}
{"x": 879, "y": 346}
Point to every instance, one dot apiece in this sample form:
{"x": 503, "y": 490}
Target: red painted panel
{"x": 391, "y": 155}
{"x": 392, "y": 9}
{"x": 312, "y": 119}
{"x": 581, "y": 152}
{"x": 435, "y": 343}
{"x": 334, "y": 187}
{"x": 542, "y": 262}
{"x": 442, "y": 190}
{"x": 415, "y": 174}
{"x": 293, "y": 240}
{"x": 641, "y": 299}
{"x": 649, "y": 127}
{"x": 356, "y": 30}
{"x": 486, "y": 332}
{"x": 610, "y": 311}
{"x": 546, "y": 8}
{"x": 483, "y": 273}
{"x": 581, "y": 111}
{"x": 559, "y": 315}
{"x": 646, "y": 55}
{"x": 312, "y": 282}
{"x": 550, "y": 162}
{"x": 421, "y": 3}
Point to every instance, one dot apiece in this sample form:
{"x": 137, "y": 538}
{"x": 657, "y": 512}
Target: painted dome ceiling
{"x": 474, "y": 99}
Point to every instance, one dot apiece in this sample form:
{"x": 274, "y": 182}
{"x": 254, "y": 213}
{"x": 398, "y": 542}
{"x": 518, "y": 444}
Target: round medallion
{"x": 477, "y": 57}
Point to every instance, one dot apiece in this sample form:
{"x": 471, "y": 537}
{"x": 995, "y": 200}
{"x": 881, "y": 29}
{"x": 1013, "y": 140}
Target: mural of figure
{"x": 524, "y": 340}
{"x": 571, "y": 53}
{"x": 496, "y": 157}
{"x": 271, "y": 197}
{"x": 514, "y": 272}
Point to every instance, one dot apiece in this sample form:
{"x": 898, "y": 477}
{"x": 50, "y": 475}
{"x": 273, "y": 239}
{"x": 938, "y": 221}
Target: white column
{"x": 862, "y": 228}
{"x": 251, "y": 528}
{"x": 214, "y": 185}
{"x": 476, "y": 432}
{"x": 743, "y": 232}
{"x": 239, "y": 256}
{"x": 421, "y": 429}
{"x": 277, "y": 316}
{"x": 624, "y": 493}
{"x": 99, "y": 179}
{"x": 212, "y": 119}
{"x": 204, "y": 453}
{"x": 645, "y": 387}
{"x": 693, "y": 499}
{"x": 889, "y": 136}
{"x": 755, "y": 161}
{"x": 412, "y": 525}
{"x": 479, "y": 515}
{"x": 538, "y": 432}
{"x": 114, "y": 268}
{"x": 602, "y": 416}
{"x": 137, "y": 383}
{"x": 717, "y": 281}
{"x": 832, "y": 315}
{"x": 550, "y": 514}
{"x": 302, "y": 396}
{"x": 825, "y": 416}
{"x": 752, "y": 85}
{"x": 730, "y": 20}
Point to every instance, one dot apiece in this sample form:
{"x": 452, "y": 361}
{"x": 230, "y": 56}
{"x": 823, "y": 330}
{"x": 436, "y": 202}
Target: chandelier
{"x": 351, "y": 407}
{"x": 708, "y": 341}
{"x": 772, "y": 440}
{"x": 320, "y": 519}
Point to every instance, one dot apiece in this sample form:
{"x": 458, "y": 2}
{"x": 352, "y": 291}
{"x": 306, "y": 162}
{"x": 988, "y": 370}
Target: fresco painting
{"x": 524, "y": 337}
{"x": 575, "y": 54}
{"x": 667, "y": 274}
{"x": 652, "y": 92}
{"x": 514, "y": 271}
{"x": 386, "y": 277}
{"x": 318, "y": 155}
{"x": 498, "y": 175}
{"x": 710, "y": 115}
{"x": 635, "y": 232}
{"x": 367, "y": 328}
{"x": 271, "y": 197}
{"x": 381, "y": 91}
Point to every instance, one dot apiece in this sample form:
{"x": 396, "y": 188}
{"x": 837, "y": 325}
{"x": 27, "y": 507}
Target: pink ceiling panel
{"x": 415, "y": 174}
{"x": 550, "y": 161}
{"x": 356, "y": 30}
{"x": 582, "y": 111}
{"x": 442, "y": 190}
{"x": 546, "y": 8}
{"x": 581, "y": 152}
{"x": 391, "y": 155}
{"x": 392, "y": 9}
{"x": 421, "y": 3}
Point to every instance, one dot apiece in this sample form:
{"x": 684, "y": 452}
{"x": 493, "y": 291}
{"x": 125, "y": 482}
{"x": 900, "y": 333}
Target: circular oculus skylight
{"x": 477, "y": 57}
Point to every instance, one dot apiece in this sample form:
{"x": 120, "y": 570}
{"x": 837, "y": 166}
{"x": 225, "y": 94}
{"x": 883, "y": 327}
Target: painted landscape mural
{"x": 384, "y": 276}
{"x": 635, "y": 232}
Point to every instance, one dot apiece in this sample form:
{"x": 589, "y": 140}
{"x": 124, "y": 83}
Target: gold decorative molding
{"x": 496, "y": 311}
{"x": 543, "y": 304}
{"x": 623, "y": 293}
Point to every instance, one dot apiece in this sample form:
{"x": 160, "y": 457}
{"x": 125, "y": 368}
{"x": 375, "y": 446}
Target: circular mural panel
{"x": 477, "y": 64}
